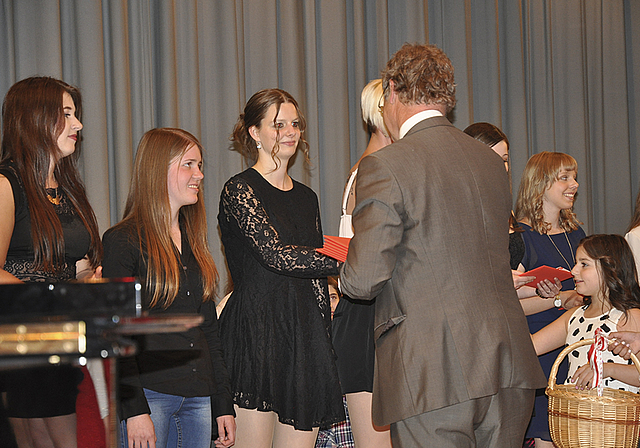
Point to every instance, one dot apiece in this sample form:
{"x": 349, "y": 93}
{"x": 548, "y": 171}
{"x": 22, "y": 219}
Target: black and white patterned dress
{"x": 581, "y": 327}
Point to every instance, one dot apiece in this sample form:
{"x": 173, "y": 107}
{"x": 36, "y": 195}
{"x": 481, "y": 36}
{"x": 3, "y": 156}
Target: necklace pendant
{"x": 570, "y": 266}
{"x": 54, "y": 201}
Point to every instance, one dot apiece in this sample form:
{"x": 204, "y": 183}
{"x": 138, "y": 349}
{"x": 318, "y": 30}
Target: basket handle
{"x": 570, "y": 348}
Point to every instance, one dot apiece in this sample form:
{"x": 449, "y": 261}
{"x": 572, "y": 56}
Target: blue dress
{"x": 539, "y": 251}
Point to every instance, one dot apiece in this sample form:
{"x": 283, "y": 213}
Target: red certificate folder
{"x": 546, "y": 272}
{"x": 335, "y": 247}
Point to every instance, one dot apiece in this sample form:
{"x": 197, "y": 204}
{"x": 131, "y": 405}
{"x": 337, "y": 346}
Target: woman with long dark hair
{"x": 46, "y": 227}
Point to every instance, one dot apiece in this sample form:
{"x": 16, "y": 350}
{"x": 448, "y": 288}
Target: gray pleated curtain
{"x": 555, "y": 75}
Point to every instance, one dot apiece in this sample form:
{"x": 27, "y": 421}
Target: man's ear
{"x": 392, "y": 92}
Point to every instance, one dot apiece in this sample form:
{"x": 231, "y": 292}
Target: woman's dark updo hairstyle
{"x": 617, "y": 268}
{"x": 487, "y": 133}
{"x": 254, "y": 112}
{"x": 491, "y": 135}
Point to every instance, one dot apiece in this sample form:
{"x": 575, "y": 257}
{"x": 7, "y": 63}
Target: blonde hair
{"x": 539, "y": 174}
{"x": 370, "y": 99}
{"x": 148, "y": 212}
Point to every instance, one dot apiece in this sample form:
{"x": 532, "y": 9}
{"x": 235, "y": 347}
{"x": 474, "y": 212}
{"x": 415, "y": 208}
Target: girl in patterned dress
{"x": 605, "y": 272}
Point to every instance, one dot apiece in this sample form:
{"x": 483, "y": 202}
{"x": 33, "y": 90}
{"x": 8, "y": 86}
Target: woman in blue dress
{"x": 552, "y": 232}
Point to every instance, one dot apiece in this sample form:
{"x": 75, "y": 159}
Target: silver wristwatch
{"x": 557, "y": 301}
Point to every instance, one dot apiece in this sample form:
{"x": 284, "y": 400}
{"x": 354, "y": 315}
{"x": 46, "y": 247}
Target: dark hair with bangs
{"x": 617, "y": 268}
{"x": 487, "y": 133}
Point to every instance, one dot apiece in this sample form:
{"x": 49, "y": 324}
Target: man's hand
{"x": 519, "y": 280}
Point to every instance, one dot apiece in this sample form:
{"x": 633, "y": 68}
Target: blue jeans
{"x": 179, "y": 422}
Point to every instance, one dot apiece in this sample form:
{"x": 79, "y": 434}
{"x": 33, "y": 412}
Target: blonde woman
{"x": 173, "y": 388}
{"x": 551, "y": 232}
{"x": 353, "y": 328}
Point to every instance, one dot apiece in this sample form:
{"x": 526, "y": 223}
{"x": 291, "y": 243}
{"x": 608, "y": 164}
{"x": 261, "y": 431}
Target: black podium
{"x": 52, "y": 323}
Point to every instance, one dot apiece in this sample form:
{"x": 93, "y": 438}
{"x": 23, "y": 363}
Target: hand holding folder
{"x": 548, "y": 273}
{"x": 335, "y": 247}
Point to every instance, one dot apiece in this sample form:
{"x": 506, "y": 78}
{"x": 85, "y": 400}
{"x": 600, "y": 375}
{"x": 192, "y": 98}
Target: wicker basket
{"x": 580, "y": 418}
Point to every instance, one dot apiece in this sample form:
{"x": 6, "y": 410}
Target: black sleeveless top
{"x": 20, "y": 255}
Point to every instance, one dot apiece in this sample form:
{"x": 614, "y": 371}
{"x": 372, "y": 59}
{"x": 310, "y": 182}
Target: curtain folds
{"x": 555, "y": 75}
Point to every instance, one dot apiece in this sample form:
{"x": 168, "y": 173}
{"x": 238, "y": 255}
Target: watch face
{"x": 557, "y": 303}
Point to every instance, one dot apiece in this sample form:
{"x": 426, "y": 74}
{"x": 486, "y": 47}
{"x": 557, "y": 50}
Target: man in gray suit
{"x": 455, "y": 366}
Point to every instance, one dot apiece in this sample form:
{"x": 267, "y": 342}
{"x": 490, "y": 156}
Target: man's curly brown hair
{"x": 422, "y": 74}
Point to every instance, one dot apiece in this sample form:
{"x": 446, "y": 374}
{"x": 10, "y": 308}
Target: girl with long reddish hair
{"x": 46, "y": 228}
{"x": 177, "y": 383}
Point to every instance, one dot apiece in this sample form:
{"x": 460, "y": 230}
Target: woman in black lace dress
{"x": 46, "y": 227}
{"x": 275, "y": 327}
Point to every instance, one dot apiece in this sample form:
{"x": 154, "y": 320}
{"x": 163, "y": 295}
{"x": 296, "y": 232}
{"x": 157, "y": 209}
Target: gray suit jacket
{"x": 431, "y": 243}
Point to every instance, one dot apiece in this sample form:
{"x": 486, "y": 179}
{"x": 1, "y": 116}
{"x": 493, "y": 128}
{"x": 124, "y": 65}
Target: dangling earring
{"x": 258, "y": 145}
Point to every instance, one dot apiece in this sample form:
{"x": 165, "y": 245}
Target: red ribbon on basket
{"x": 595, "y": 359}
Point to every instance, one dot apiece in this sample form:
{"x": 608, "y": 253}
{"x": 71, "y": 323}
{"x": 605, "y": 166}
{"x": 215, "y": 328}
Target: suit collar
{"x": 429, "y": 123}
{"x": 417, "y": 118}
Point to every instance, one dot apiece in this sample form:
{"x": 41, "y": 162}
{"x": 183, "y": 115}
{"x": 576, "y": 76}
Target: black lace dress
{"x": 275, "y": 327}
{"x": 43, "y": 391}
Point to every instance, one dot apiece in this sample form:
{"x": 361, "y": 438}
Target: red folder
{"x": 546, "y": 272}
{"x": 335, "y": 247}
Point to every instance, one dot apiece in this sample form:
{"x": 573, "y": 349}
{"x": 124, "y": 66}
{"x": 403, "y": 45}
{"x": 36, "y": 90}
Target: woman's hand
{"x": 626, "y": 342}
{"x": 226, "y": 431}
{"x": 97, "y": 274}
{"x": 548, "y": 289}
{"x": 84, "y": 271}
{"x": 520, "y": 280}
{"x": 140, "y": 431}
